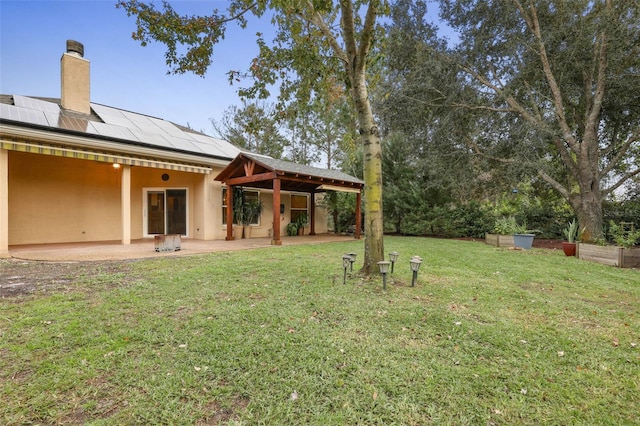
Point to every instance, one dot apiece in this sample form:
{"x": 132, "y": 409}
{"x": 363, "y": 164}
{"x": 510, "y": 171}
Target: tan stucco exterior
{"x": 58, "y": 183}
{"x": 57, "y": 200}
{"x": 75, "y": 83}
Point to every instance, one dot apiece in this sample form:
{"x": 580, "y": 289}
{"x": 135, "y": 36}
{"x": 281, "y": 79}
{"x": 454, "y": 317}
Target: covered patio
{"x": 257, "y": 171}
{"x": 145, "y": 248}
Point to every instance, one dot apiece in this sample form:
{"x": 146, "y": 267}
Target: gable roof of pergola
{"x": 259, "y": 171}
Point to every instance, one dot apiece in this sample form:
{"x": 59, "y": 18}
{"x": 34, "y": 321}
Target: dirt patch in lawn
{"x": 23, "y": 277}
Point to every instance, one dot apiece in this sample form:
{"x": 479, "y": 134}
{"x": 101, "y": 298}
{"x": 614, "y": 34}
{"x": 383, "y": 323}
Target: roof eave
{"x": 79, "y": 139}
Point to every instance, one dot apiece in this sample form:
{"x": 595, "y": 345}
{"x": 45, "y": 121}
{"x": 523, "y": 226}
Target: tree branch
{"x": 534, "y": 25}
{"x": 318, "y": 21}
{"x": 635, "y": 137}
{"x": 366, "y": 36}
{"x": 479, "y": 151}
{"x": 348, "y": 30}
{"x": 554, "y": 184}
{"x": 622, "y": 180}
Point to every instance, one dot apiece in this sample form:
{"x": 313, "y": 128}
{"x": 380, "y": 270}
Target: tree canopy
{"x": 543, "y": 87}
{"x": 319, "y": 44}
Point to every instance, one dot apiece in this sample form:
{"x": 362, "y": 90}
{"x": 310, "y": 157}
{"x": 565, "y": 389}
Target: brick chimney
{"x": 74, "y": 78}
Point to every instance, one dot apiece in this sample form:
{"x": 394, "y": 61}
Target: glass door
{"x": 166, "y": 211}
{"x": 177, "y": 211}
{"x": 155, "y": 209}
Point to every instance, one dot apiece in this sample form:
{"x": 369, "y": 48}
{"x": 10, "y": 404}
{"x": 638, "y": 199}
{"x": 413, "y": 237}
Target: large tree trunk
{"x": 587, "y": 205}
{"x": 356, "y": 67}
{"x": 372, "y": 162}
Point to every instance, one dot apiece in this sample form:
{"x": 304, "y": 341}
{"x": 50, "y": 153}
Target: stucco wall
{"x": 53, "y": 199}
{"x": 57, "y": 200}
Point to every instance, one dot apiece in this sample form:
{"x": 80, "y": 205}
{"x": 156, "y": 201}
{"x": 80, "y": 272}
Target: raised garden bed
{"x": 498, "y": 240}
{"x": 610, "y": 255}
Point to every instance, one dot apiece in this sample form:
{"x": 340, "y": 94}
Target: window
{"x": 245, "y": 194}
{"x": 298, "y": 206}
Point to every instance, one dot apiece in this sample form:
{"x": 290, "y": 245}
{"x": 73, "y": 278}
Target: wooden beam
{"x": 358, "y": 215}
{"x": 312, "y": 213}
{"x": 229, "y": 197}
{"x": 244, "y": 180}
{"x": 248, "y": 168}
{"x": 275, "y": 238}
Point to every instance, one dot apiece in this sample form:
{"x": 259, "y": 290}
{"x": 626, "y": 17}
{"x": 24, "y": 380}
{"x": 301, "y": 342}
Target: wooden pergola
{"x": 257, "y": 171}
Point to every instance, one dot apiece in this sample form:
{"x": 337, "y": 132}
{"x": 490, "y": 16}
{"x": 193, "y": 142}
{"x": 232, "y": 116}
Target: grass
{"x": 272, "y": 336}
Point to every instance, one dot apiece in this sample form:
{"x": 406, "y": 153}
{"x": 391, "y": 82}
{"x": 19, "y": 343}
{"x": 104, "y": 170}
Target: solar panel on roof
{"x": 223, "y": 147}
{"x": 109, "y": 130}
{"x": 118, "y": 124}
{"x": 151, "y": 138}
{"x": 168, "y": 127}
{"x": 14, "y": 113}
{"x": 183, "y": 144}
{"x": 210, "y": 149}
{"x": 111, "y": 116}
{"x": 35, "y": 104}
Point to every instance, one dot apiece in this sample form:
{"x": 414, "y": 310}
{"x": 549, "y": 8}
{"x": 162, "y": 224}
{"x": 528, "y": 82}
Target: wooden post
{"x": 4, "y": 203}
{"x": 312, "y": 213}
{"x": 275, "y": 238}
{"x": 125, "y": 204}
{"x": 358, "y": 214}
{"x": 229, "y": 197}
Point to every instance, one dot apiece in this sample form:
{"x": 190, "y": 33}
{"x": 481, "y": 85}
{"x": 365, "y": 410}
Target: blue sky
{"x": 124, "y": 75}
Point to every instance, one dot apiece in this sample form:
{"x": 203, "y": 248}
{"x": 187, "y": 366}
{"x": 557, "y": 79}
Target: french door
{"x": 165, "y": 211}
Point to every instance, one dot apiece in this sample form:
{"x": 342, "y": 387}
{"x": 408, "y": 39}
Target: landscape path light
{"x": 346, "y": 261}
{"x": 384, "y": 268}
{"x": 353, "y": 259}
{"x": 393, "y": 256}
{"x": 415, "y": 265}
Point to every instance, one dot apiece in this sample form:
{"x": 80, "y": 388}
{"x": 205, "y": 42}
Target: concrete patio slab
{"x": 145, "y": 248}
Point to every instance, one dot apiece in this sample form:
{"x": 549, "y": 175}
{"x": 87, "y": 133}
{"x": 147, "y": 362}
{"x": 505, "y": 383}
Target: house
{"x": 76, "y": 171}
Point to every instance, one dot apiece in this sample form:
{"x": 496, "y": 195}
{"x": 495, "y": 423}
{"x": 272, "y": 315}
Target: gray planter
{"x": 524, "y": 241}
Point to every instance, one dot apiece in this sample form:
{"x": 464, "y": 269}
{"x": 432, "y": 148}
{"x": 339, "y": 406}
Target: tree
{"x": 550, "y": 85}
{"x": 533, "y": 88}
{"x": 253, "y": 127}
{"x": 321, "y": 128}
{"x": 318, "y": 42}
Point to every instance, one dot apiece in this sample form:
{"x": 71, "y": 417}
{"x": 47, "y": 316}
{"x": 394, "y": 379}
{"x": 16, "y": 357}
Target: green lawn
{"x": 272, "y": 336}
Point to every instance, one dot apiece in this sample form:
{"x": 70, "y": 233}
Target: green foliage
{"x": 319, "y": 46}
{"x": 624, "y": 234}
{"x": 251, "y": 211}
{"x": 302, "y": 220}
{"x": 571, "y": 231}
{"x": 342, "y": 210}
{"x": 506, "y": 226}
{"x": 509, "y": 226}
{"x": 292, "y": 229}
{"x": 512, "y": 89}
{"x": 254, "y": 127}
{"x": 250, "y": 337}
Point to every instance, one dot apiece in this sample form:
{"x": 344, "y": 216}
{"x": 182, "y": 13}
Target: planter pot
{"x": 247, "y": 231}
{"x": 610, "y": 255}
{"x": 569, "y": 248}
{"x": 524, "y": 241}
{"x": 237, "y": 232}
{"x": 498, "y": 240}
